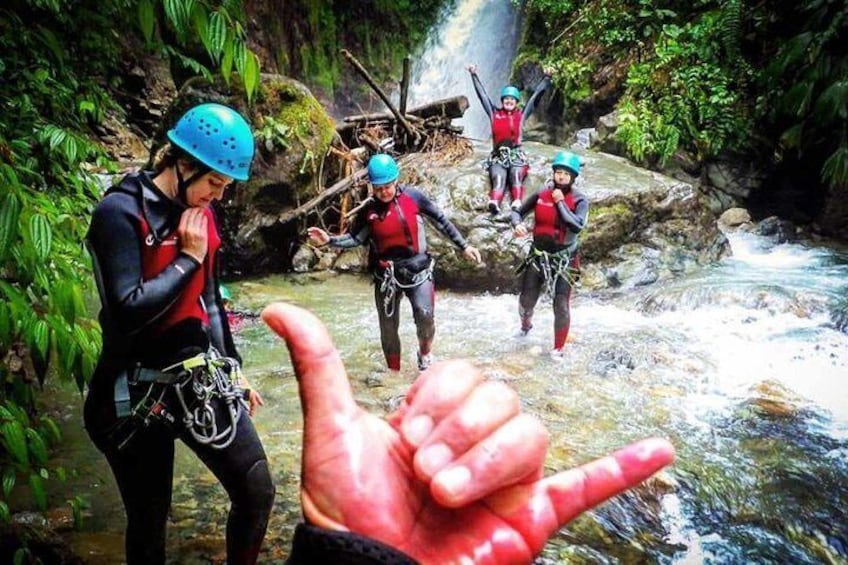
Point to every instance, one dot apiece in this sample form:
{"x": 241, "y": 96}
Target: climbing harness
{"x": 389, "y": 284}
{"x": 551, "y": 266}
{"x": 195, "y": 382}
{"x": 506, "y": 157}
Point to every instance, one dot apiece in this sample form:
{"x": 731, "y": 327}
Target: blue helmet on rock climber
{"x": 382, "y": 169}
{"x": 217, "y": 136}
{"x": 568, "y": 161}
{"x": 510, "y": 91}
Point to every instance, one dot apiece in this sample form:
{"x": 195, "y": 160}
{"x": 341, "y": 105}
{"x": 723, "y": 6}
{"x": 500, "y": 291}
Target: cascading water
{"x": 481, "y": 32}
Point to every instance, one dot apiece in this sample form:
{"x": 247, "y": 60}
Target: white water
{"x": 481, "y": 32}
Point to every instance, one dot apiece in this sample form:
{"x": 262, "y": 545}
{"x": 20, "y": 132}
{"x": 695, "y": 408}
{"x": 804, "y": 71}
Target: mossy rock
{"x": 293, "y": 133}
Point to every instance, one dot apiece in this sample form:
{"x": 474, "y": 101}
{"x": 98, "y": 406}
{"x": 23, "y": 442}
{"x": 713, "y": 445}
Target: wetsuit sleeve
{"x": 114, "y": 240}
{"x": 529, "y": 203}
{"x": 534, "y": 98}
{"x": 487, "y": 103}
{"x": 358, "y": 234}
{"x": 576, "y": 220}
{"x": 316, "y": 545}
{"x": 438, "y": 218}
{"x": 219, "y": 327}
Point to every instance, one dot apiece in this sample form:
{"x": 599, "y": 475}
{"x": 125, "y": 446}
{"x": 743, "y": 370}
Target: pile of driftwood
{"x": 411, "y": 129}
{"x": 410, "y": 135}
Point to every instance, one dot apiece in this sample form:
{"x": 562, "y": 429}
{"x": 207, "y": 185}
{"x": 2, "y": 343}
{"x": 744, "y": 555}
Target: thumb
{"x": 325, "y": 394}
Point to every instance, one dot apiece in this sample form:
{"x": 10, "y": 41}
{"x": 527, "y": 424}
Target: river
{"x": 737, "y": 364}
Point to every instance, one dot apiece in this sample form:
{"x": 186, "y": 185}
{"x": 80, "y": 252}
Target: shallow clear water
{"x": 737, "y": 365}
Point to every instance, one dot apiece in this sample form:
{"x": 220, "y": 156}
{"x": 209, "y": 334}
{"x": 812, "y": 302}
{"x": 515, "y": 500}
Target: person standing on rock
{"x": 553, "y": 262}
{"x": 393, "y": 224}
{"x": 507, "y": 162}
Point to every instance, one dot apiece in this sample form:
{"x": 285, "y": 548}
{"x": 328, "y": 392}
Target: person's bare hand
{"x": 318, "y": 236}
{"x": 455, "y": 475}
{"x": 193, "y": 233}
{"x": 472, "y": 254}
{"x": 557, "y": 195}
{"x": 254, "y": 401}
{"x": 520, "y": 230}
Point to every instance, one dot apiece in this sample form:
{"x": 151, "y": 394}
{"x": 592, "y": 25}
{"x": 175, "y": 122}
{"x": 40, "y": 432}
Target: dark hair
{"x": 168, "y": 156}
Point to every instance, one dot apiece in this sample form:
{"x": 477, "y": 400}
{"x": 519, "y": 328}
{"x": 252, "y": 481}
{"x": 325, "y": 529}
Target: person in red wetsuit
{"x": 553, "y": 262}
{"x": 507, "y": 162}
{"x": 154, "y": 240}
{"x": 393, "y": 224}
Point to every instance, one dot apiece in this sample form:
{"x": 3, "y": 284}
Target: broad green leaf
{"x": 42, "y": 236}
{"x": 13, "y": 439}
{"x": 37, "y": 447}
{"x": 146, "y": 19}
{"x": 54, "y": 434}
{"x": 227, "y": 59}
{"x": 200, "y": 20}
{"x": 240, "y": 53}
{"x": 40, "y": 336}
{"x": 9, "y": 478}
{"x": 251, "y": 75}
{"x": 4, "y": 513}
{"x": 10, "y": 211}
{"x": 217, "y": 35}
{"x": 61, "y": 474}
{"x": 36, "y": 485}
{"x": 173, "y": 11}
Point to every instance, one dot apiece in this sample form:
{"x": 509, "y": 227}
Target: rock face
{"x": 643, "y": 227}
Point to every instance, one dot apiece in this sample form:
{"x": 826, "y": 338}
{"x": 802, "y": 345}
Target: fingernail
{"x": 454, "y": 481}
{"x": 418, "y": 429}
{"x": 433, "y": 458}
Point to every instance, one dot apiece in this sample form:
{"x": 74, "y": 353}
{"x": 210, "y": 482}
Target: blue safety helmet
{"x": 510, "y": 91}
{"x": 217, "y": 136}
{"x": 382, "y": 169}
{"x": 568, "y": 161}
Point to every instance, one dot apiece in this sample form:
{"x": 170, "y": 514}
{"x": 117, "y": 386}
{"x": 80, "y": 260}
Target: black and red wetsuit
{"x": 507, "y": 129}
{"x": 159, "y": 306}
{"x": 395, "y": 232}
{"x": 555, "y": 230}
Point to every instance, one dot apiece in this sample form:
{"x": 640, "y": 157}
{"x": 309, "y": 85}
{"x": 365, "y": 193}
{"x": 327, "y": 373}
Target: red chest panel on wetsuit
{"x": 156, "y": 256}
{"x": 506, "y": 127}
{"x": 548, "y": 224}
{"x": 388, "y": 231}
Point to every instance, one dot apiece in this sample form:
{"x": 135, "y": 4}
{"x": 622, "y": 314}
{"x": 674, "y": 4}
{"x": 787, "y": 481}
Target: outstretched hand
{"x": 456, "y": 474}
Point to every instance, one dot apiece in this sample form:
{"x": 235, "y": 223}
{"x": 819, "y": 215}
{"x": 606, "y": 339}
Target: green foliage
{"x": 214, "y": 26}
{"x": 58, "y": 60}
{"x": 708, "y": 75}
{"x": 804, "y": 97}
{"x": 24, "y": 454}
{"x": 682, "y": 95}
{"x": 273, "y": 133}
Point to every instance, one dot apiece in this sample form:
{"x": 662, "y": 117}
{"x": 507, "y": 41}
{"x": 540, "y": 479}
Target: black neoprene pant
{"x": 144, "y": 472}
{"x": 423, "y": 301}
{"x": 531, "y": 286}
{"x": 498, "y": 175}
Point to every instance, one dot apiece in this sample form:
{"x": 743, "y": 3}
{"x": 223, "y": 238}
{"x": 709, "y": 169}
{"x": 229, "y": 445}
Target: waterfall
{"x": 481, "y": 32}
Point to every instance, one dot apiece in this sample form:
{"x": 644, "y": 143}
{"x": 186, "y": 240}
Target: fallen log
{"x": 453, "y": 107}
{"x": 367, "y": 76}
{"x": 330, "y": 192}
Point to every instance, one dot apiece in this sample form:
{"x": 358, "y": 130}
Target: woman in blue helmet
{"x": 393, "y": 224}
{"x": 560, "y": 212}
{"x": 507, "y": 162}
{"x": 154, "y": 240}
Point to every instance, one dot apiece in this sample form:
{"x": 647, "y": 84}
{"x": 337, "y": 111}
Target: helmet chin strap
{"x": 184, "y": 183}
